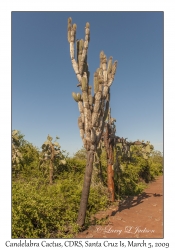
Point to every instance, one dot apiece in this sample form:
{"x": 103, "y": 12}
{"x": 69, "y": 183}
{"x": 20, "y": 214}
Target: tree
{"x": 109, "y": 142}
{"x": 16, "y": 154}
{"x": 51, "y": 151}
{"x": 98, "y": 160}
{"x": 93, "y": 109}
{"x": 81, "y": 154}
{"x": 25, "y": 156}
{"x": 141, "y": 148}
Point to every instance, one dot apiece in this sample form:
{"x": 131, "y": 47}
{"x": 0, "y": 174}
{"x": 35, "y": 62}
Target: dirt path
{"x": 137, "y": 217}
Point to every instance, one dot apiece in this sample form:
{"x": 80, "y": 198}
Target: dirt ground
{"x": 136, "y": 217}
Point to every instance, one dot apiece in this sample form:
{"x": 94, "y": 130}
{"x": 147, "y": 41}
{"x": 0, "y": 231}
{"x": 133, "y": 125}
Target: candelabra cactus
{"x": 16, "y": 154}
{"x": 109, "y": 142}
{"x": 142, "y": 149}
{"x": 93, "y": 108}
{"x": 146, "y": 149}
{"x": 50, "y": 151}
{"x": 97, "y": 160}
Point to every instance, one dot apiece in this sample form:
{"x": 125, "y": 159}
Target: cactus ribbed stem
{"x": 93, "y": 109}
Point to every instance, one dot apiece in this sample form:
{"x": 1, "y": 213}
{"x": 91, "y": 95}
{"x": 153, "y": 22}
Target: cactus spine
{"x": 93, "y": 108}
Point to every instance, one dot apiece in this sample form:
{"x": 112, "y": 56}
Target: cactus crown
{"x": 104, "y": 58}
{"x": 69, "y": 20}
{"x": 101, "y": 54}
{"x": 75, "y": 26}
{"x": 92, "y": 108}
{"x": 87, "y": 25}
{"x": 98, "y": 70}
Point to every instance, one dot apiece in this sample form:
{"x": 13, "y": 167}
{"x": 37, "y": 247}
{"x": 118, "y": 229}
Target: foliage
{"x": 16, "y": 154}
{"x": 40, "y": 210}
{"x": 44, "y": 211}
{"x": 24, "y": 155}
{"x": 49, "y": 148}
{"x": 128, "y": 180}
{"x": 81, "y": 154}
{"x": 156, "y": 163}
{"x": 51, "y": 156}
{"x": 133, "y": 172}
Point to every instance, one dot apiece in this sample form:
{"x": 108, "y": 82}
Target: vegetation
{"x": 41, "y": 210}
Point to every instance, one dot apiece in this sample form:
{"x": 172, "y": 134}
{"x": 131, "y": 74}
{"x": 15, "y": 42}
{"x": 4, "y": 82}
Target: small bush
{"x": 50, "y": 211}
{"x": 134, "y": 173}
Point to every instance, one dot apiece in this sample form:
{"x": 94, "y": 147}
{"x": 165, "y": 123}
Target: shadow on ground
{"x": 133, "y": 201}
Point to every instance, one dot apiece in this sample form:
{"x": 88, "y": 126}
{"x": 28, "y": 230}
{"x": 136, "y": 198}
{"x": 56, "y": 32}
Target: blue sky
{"x": 43, "y": 78}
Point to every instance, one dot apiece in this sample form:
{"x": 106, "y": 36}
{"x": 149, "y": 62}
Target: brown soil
{"x": 136, "y": 217}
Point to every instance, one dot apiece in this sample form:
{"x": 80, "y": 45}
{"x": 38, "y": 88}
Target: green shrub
{"x": 50, "y": 211}
{"x": 134, "y": 173}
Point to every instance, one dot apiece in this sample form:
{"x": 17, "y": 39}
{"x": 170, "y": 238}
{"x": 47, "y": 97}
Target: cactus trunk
{"x": 111, "y": 189}
{"x": 51, "y": 172}
{"x": 110, "y": 174}
{"x": 109, "y": 146}
{"x": 50, "y": 151}
{"x": 51, "y": 165}
{"x": 86, "y": 189}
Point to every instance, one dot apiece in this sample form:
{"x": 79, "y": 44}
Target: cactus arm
{"x": 109, "y": 68}
{"x": 85, "y": 47}
{"x": 71, "y": 39}
{"x": 69, "y": 29}
{"x": 112, "y": 74}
